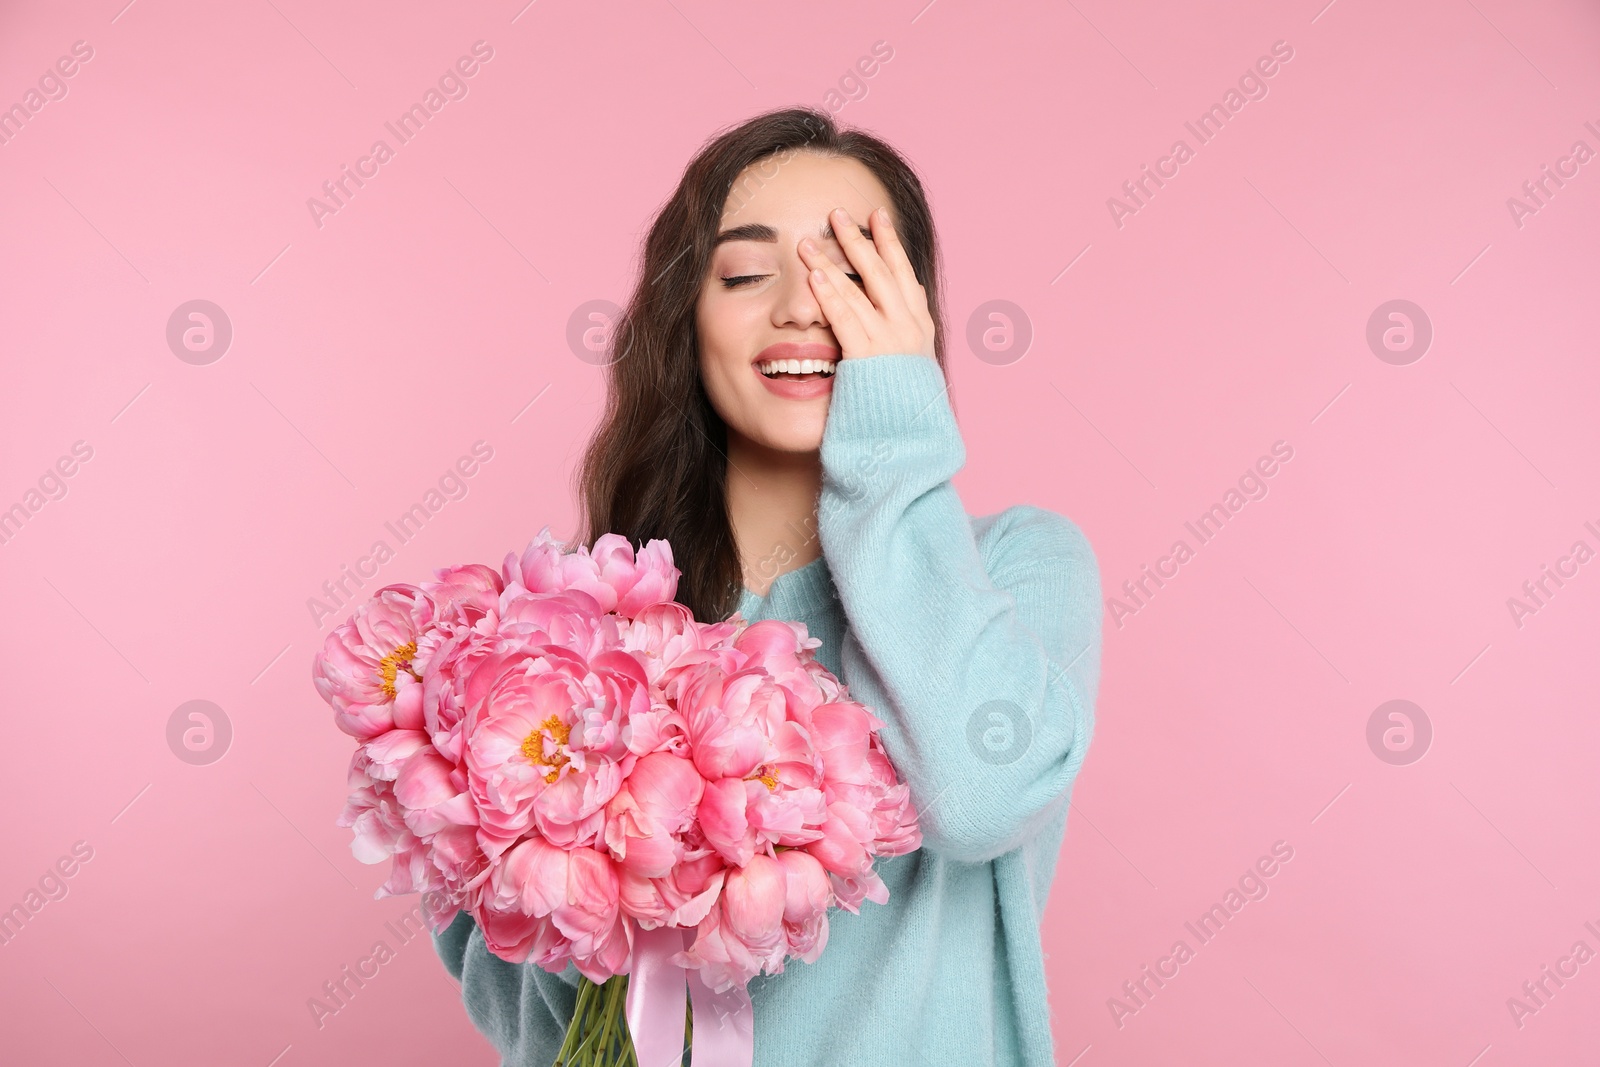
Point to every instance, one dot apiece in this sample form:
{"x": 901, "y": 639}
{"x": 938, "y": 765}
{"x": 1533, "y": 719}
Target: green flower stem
{"x": 608, "y": 1023}
{"x": 579, "y": 1030}
{"x": 589, "y": 1049}
{"x": 598, "y": 1035}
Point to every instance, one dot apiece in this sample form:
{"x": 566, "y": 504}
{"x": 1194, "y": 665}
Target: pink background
{"x": 1228, "y": 313}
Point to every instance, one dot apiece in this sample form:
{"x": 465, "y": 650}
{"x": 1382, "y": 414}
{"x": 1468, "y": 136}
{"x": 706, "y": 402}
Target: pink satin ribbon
{"x": 724, "y": 1023}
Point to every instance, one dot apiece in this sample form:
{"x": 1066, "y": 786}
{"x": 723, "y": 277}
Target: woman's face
{"x": 756, "y": 295}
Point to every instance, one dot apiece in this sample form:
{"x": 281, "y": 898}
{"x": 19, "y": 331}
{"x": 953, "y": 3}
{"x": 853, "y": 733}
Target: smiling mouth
{"x": 796, "y": 370}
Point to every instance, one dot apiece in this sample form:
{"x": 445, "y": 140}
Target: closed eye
{"x": 744, "y": 279}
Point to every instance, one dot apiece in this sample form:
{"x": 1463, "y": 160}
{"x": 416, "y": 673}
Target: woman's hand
{"x": 891, "y": 316}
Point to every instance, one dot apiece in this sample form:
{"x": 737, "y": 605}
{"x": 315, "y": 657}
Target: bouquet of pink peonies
{"x": 565, "y": 752}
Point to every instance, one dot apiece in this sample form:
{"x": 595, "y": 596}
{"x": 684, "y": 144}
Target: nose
{"x": 794, "y": 302}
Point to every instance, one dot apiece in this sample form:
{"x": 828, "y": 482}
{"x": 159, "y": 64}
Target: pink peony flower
{"x": 543, "y": 742}
{"x": 808, "y": 895}
{"x": 388, "y": 752}
{"x": 557, "y": 904}
{"x": 683, "y": 897}
{"x": 462, "y": 864}
{"x": 434, "y": 794}
{"x": 753, "y": 900}
{"x": 463, "y": 595}
{"x": 363, "y": 670}
{"x": 450, "y": 661}
{"x": 732, "y": 719}
{"x": 744, "y": 934}
{"x": 724, "y": 822}
{"x": 665, "y": 637}
{"x": 377, "y": 819}
{"x": 522, "y": 892}
{"x": 565, "y": 752}
{"x": 571, "y": 619}
{"x": 846, "y": 860}
{"x": 610, "y": 572}
{"x": 639, "y": 580}
{"x": 647, "y": 817}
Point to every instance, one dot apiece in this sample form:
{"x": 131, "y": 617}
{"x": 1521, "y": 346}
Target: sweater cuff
{"x": 888, "y": 396}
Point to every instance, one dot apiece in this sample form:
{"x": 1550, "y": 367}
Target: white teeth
{"x": 797, "y": 366}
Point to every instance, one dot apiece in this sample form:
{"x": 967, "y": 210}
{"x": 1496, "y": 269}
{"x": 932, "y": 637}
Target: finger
{"x": 845, "y": 290}
{"x": 882, "y": 287}
{"x": 848, "y": 328}
{"x": 887, "y": 240}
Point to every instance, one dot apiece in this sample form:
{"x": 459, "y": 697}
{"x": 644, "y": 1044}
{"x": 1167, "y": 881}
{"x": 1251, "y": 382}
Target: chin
{"x": 794, "y": 439}
{"x": 798, "y": 444}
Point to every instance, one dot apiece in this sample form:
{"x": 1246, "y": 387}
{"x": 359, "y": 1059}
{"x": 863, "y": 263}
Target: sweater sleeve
{"x": 522, "y": 1009}
{"x": 981, "y": 653}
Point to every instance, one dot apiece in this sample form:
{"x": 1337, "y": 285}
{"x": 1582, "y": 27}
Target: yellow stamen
{"x": 533, "y": 746}
{"x": 769, "y": 779}
{"x": 390, "y": 665}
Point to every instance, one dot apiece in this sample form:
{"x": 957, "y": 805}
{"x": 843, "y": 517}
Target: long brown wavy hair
{"x": 657, "y": 464}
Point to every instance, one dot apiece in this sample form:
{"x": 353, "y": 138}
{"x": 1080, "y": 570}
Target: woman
{"x": 824, "y": 497}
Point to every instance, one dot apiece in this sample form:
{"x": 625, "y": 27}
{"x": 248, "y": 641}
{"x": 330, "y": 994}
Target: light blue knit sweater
{"x": 977, "y": 640}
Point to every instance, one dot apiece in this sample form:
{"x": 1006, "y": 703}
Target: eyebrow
{"x": 760, "y": 231}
